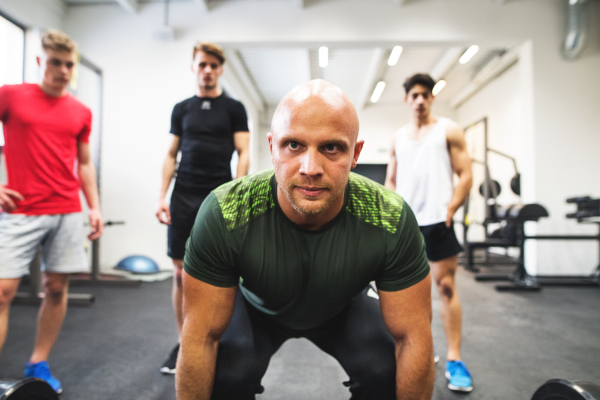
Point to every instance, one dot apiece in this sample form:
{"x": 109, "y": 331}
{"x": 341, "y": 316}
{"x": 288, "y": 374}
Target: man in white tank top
{"x": 425, "y": 154}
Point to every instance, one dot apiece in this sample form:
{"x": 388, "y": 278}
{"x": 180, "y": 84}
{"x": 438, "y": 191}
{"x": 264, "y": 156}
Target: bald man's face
{"x": 313, "y": 147}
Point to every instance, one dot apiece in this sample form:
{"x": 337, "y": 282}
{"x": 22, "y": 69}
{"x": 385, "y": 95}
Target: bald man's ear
{"x": 270, "y": 139}
{"x": 357, "y": 149}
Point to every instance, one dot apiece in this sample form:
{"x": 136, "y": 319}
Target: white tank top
{"x": 424, "y": 173}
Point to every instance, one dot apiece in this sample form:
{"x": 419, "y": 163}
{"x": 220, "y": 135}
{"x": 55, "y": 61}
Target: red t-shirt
{"x": 41, "y": 133}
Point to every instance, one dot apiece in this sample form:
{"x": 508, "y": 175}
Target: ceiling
{"x": 270, "y": 72}
{"x": 274, "y": 71}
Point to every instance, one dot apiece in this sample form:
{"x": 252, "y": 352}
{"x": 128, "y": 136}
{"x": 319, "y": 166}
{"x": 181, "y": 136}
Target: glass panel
{"x": 11, "y": 65}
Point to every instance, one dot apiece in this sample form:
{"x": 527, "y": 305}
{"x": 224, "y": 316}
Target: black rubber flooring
{"x": 513, "y": 342}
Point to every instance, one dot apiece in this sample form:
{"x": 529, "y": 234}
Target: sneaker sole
{"x": 436, "y": 359}
{"x": 167, "y": 371}
{"x": 457, "y": 388}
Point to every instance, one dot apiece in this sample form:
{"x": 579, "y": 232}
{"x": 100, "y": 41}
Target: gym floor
{"x": 513, "y": 342}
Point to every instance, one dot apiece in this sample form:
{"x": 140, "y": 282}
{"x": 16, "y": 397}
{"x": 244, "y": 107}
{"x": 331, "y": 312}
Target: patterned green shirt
{"x": 303, "y": 278}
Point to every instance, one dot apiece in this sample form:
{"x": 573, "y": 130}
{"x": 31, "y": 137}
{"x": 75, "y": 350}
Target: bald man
{"x": 290, "y": 253}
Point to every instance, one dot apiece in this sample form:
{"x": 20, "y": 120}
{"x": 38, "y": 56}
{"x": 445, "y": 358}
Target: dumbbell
{"x": 26, "y": 389}
{"x": 562, "y": 389}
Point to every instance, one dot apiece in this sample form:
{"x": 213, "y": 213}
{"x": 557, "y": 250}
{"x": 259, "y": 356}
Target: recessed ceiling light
{"x": 323, "y": 56}
{"x": 467, "y": 55}
{"x": 377, "y": 92}
{"x": 395, "y": 55}
{"x": 438, "y": 87}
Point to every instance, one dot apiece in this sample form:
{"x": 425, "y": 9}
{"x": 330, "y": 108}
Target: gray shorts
{"x": 59, "y": 237}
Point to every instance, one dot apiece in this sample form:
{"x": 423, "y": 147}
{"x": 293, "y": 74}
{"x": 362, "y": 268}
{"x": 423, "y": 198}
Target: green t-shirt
{"x": 298, "y": 277}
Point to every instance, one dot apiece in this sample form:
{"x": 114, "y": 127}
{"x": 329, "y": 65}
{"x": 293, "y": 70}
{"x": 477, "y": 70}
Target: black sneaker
{"x": 169, "y": 366}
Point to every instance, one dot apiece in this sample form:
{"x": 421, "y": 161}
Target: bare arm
{"x": 207, "y": 311}
{"x": 241, "y": 141}
{"x": 89, "y": 186}
{"x": 407, "y": 314}
{"x": 461, "y": 165}
{"x": 8, "y": 197}
{"x": 390, "y": 176}
{"x": 167, "y": 175}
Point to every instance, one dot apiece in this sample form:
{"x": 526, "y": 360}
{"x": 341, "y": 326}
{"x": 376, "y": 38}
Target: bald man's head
{"x": 313, "y": 143}
{"x": 319, "y": 100}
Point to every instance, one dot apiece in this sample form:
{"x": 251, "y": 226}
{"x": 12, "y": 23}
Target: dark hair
{"x": 419, "y": 79}
{"x": 209, "y": 48}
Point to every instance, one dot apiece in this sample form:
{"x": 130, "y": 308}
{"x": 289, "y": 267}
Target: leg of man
{"x": 459, "y": 377}
{"x": 8, "y": 289}
{"x": 177, "y": 294}
{"x": 184, "y": 207}
{"x": 359, "y": 339}
{"x": 62, "y": 254}
{"x": 20, "y": 236}
{"x": 245, "y": 350}
{"x": 451, "y": 311}
{"x": 51, "y": 315}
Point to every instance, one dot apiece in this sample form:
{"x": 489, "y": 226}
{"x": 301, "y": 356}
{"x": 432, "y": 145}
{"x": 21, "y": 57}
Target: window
{"x": 12, "y": 45}
{"x": 12, "y": 39}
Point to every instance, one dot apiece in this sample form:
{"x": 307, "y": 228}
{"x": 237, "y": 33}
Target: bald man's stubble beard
{"x": 312, "y": 206}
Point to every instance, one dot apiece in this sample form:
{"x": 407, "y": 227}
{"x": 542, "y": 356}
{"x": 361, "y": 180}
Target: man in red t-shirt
{"x": 46, "y": 131}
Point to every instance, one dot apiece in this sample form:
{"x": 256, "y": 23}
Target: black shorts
{"x": 440, "y": 241}
{"x": 184, "y": 207}
{"x": 357, "y": 338}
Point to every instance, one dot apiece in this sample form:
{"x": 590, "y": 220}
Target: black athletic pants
{"x": 357, "y": 338}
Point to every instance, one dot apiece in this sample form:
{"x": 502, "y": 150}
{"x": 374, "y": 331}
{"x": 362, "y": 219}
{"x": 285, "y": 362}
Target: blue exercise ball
{"x": 138, "y": 265}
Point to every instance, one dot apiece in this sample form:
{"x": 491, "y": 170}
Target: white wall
{"x": 553, "y": 165}
{"x": 43, "y": 14}
{"x": 143, "y": 80}
{"x": 505, "y": 103}
{"x": 567, "y": 139}
{"x": 139, "y": 95}
{"x": 501, "y": 101}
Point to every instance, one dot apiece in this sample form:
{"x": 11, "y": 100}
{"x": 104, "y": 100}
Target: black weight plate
{"x": 515, "y": 184}
{"x": 562, "y": 389}
{"x": 493, "y": 184}
{"x": 26, "y": 389}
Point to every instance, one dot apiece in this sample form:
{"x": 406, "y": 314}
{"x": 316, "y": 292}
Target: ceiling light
{"x": 395, "y": 55}
{"x": 323, "y": 56}
{"x": 377, "y": 92}
{"x": 438, "y": 87}
{"x": 467, "y": 55}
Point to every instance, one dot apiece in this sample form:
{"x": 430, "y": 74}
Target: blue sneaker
{"x": 459, "y": 378}
{"x": 42, "y": 371}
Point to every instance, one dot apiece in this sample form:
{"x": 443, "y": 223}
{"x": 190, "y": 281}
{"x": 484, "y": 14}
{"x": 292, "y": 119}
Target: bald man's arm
{"x": 407, "y": 314}
{"x": 207, "y": 310}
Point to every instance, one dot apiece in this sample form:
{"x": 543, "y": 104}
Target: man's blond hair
{"x": 56, "y": 40}
{"x": 209, "y": 48}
